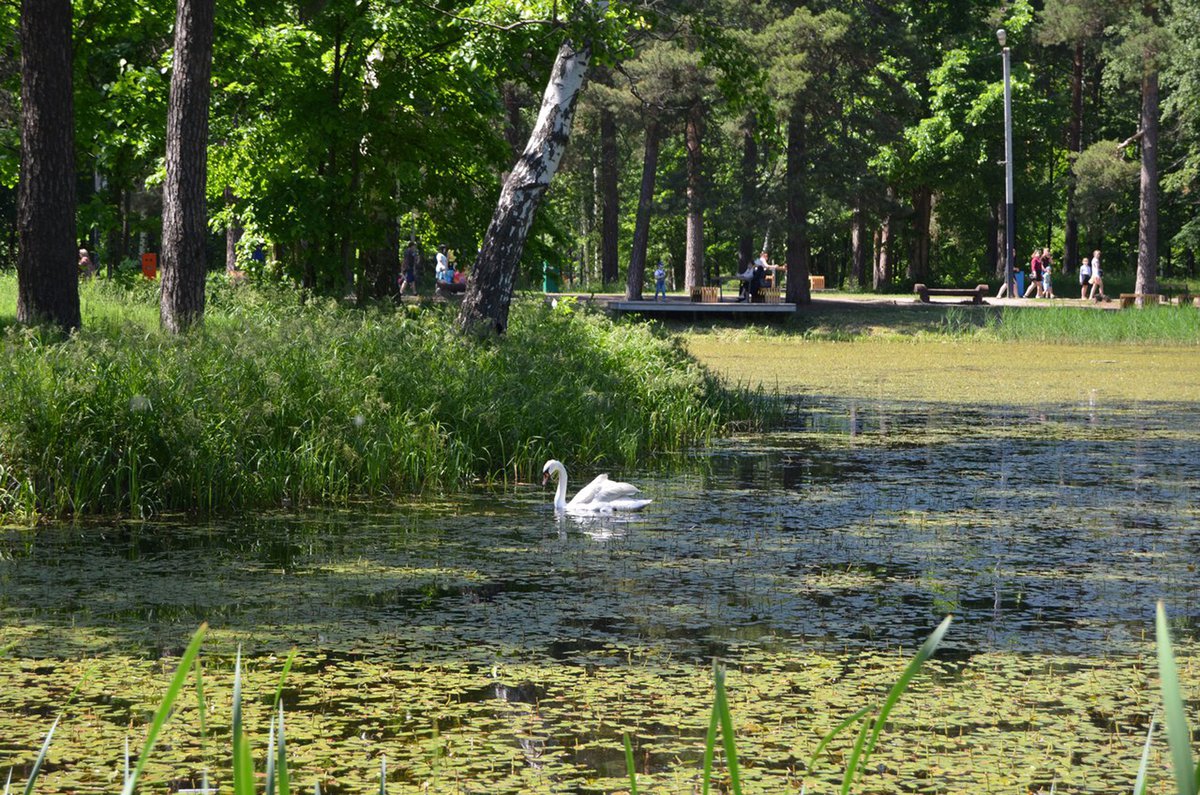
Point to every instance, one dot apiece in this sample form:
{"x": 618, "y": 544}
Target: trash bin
{"x": 1019, "y": 278}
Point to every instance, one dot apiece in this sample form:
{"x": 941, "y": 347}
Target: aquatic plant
{"x": 871, "y": 720}
{"x": 275, "y": 402}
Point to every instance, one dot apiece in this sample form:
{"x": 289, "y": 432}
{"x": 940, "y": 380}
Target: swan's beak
{"x": 545, "y": 477}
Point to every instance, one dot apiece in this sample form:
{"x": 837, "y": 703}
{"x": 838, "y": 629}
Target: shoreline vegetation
{"x": 275, "y": 402}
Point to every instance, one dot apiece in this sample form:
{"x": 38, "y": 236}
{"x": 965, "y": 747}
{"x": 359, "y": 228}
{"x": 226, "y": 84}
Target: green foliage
{"x": 1105, "y": 180}
{"x": 275, "y": 402}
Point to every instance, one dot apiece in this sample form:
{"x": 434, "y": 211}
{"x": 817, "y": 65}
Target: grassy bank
{"x": 274, "y": 402}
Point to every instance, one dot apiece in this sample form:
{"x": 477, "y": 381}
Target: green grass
{"x": 277, "y": 402}
{"x": 1155, "y": 325}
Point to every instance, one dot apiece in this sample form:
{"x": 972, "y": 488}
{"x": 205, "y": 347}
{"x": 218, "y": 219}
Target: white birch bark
{"x": 490, "y": 283}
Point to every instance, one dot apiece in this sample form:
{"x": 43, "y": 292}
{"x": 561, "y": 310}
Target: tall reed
{"x": 276, "y": 402}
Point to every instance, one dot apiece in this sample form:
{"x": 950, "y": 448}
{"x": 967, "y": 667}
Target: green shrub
{"x": 275, "y": 402}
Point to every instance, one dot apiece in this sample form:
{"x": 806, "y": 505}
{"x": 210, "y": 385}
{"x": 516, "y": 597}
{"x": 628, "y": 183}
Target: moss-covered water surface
{"x": 948, "y": 369}
{"x": 483, "y": 645}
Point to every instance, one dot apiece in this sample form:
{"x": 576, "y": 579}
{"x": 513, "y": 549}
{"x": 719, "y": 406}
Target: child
{"x": 1085, "y": 277}
{"x": 1047, "y": 280}
{"x": 660, "y": 282}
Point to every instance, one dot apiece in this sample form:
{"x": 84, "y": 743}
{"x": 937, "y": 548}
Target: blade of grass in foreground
{"x": 1178, "y": 734}
{"x": 633, "y": 790}
{"x": 41, "y": 757}
{"x": 722, "y": 704}
{"x": 858, "y": 759}
{"x": 243, "y": 765}
{"x": 1139, "y": 785}
{"x": 836, "y": 730}
{"x": 281, "y": 770}
{"x": 164, "y": 709}
{"x": 710, "y": 747}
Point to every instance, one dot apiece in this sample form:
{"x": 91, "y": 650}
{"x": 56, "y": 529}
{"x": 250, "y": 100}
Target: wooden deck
{"x": 682, "y": 309}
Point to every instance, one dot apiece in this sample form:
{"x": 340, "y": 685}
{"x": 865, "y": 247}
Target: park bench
{"x": 769, "y": 295}
{"x": 450, "y": 289}
{"x": 706, "y": 295}
{"x": 976, "y": 293}
{"x": 1139, "y": 299}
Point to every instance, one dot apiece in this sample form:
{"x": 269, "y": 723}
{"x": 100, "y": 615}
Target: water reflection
{"x": 860, "y": 523}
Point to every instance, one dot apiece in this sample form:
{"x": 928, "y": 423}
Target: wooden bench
{"x": 706, "y": 295}
{"x": 450, "y": 289}
{"x": 1142, "y": 299}
{"x": 816, "y": 283}
{"x": 769, "y": 295}
{"x": 976, "y": 293}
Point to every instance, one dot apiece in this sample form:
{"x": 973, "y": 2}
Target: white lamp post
{"x": 1010, "y": 224}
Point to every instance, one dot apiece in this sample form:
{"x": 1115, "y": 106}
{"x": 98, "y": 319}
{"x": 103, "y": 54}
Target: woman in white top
{"x": 1097, "y": 293}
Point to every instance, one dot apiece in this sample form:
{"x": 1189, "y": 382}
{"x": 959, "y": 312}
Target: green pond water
{"x": 483, "y": 645}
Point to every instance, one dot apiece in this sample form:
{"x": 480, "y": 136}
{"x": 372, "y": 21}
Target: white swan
{"x": 600, "y": 496}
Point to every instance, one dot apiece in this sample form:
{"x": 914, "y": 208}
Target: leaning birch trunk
{"x": 693, "y": 271}
{"x": 490, "y": 284}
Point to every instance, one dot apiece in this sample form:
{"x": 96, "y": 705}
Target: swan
{"x": 600, "y": 496}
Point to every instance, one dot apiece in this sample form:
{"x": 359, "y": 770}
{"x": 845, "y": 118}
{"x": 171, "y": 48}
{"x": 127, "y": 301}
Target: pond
{"x": 483, "y": 645}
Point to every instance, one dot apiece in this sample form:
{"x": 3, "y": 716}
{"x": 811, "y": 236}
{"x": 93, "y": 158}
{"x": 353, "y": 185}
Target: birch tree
{"x": 492, "y": 280}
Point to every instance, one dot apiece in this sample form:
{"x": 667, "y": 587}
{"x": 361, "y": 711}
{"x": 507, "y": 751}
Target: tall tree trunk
{"x": 883, "y": 264}
{"x": 918, "y": 263}
{"x": 233, "y": 234}
{"x": 490, "y": 285}
{"x": 184, "y": 213}
{"x": 798, "y": 287}
{"x": 1071, "y": 254}
{"x": 1147, "y": 261}
{"x": 641, "y": 226}
{"x": 116, "y": 230}
{"x": 749, "y": 197}
{"x": 609, "y": 267}
{"x": 47, "y": 267}
{"x": 693, "y": 275}
{"x": 381, "y": 263}
{"x": 858, "y": 247}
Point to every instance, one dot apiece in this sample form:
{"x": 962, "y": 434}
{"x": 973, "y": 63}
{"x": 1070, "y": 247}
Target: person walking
{"x": 660, "y": 281}
{"x": 1085, "y": 277}
{"x": 1047, "y": 263}
{"x": 1097, "y": 293}
{"x": 1035, "y": 275}
{"x": 408, "y": 279}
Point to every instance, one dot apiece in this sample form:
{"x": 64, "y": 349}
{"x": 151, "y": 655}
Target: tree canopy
{"x": 858, "y": 140}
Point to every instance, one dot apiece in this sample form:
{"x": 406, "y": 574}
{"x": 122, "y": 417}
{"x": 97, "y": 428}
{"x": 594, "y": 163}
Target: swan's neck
{"x": 560, "y": 496}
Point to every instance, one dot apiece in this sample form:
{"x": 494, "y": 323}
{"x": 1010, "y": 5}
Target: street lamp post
{"x": 1010, "y": 223}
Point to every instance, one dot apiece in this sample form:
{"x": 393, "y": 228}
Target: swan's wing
{"x": 605, "y": 508}
{"x": 602, "y": 490}
{"x": 588, "y": 493}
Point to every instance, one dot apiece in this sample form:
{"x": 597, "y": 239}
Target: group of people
{"x": 1090, "y": 277}
{"x": 1041, "y": 272}
{"x": 446, "y": 274}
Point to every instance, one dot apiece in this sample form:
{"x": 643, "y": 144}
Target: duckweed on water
{"x": 484, "y": 645}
